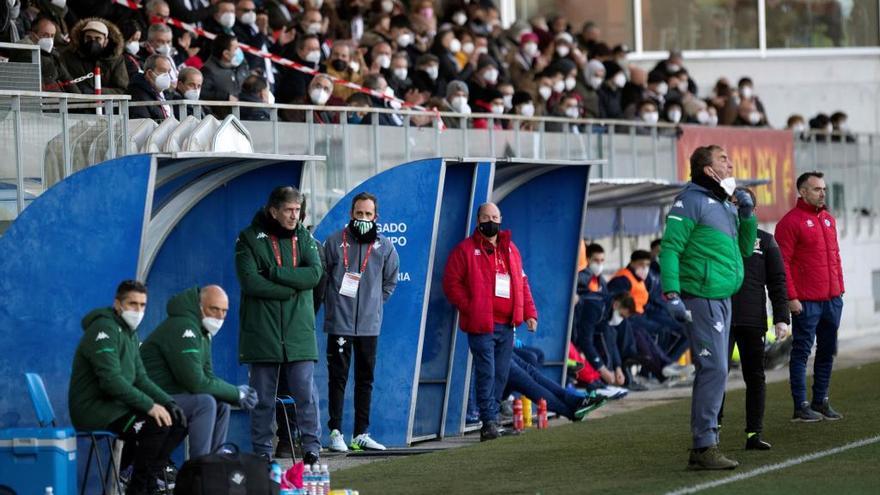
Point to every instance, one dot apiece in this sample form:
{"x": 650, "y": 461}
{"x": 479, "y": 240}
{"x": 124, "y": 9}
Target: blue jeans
{"x": 208, "y": 422}
{"x": 818, "y": 321}
{"x": 264, "y": 378}
{"x": 527, "y": 380}
{"x": 491, "y": 354}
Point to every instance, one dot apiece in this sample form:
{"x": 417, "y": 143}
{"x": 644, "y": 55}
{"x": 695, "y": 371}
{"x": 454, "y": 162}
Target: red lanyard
{"x": 276, "y": 249}
{"x": 496, "y": 257}
{"x": 345, "y": 254}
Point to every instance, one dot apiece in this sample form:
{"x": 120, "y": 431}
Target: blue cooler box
{"x": 33, "y": 458}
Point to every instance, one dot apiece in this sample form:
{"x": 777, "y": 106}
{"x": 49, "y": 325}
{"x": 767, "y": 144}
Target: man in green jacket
{"x": 177, "y": 356}
{"x": 278, "y": 265}
{"x": 110, "y": 390}
{"x": 701, "y": 266}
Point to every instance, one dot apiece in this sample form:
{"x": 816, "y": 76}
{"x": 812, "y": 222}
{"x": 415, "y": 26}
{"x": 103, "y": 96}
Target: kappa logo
{"x": 810, "y": 223}
{"x": 137, "y": 426}
{"x": 101, "y": 336}
{"x": 705, "y": 353}
{"x": 719, "y": 327}
{"x": 188, "y": 334}
{"x": 678, "y": 204}
{"x": 262, "y": 235}
{"x": 237, "y": 478}
{"x": 712, "y": 201}
{"x": 344, "y": 245}
{"x": 340, "y": 341}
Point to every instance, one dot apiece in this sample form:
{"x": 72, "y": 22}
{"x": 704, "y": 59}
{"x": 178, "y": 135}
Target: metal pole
{"x": 516, "y": 135}
{"x": 111, "y": 129}
{"x": 273, "y": 116}
{"x": 407, "y": 152}
{"x": 65, "y": 137}
{"x": 436, "y": 125}
{"x": 633, "y": 150}
{"x": 673, "y": 150}
{"x": 567, "y": 141}
{"x": 376, "y": 144}
{"x": 589, "y": 133}
{"x": 611, "y": 154}
{"x": 654, "y": 152}
{"x": 310, "y": 121}
{"x": 542, "y": 134}
{"x": 762, "y": 27}
{"x": 346, "y": 144}
{"x": 123, "y": 114}
{"x": 464, "y": 136}
{"x": 492, "y": 136}
{"x": 19, "y": 165}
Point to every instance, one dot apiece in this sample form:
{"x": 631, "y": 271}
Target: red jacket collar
{"x": 803, "y": 205}
{"x": 503, "y": 238}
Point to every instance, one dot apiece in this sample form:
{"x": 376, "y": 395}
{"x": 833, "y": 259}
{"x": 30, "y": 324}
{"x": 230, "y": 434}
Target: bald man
{"x": 485, "y": 281}
{"x": 177, "y": 357}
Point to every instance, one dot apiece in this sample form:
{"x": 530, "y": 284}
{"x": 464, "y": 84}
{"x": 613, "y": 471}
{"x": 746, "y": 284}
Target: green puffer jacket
{"x": 277, "y": 320}
{"x": 704, "y": 245}
{"x": 177, "y": 355}
{"x": 108, "y": 379}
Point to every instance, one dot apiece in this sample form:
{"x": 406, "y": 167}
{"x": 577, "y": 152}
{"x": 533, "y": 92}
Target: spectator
{"x": 53, "y": 74}
{"x": 587, "y": 89}
{"x": 252, "y": 29}
{"x": 344, "y": 65}
{"x": 821, "y": 127}
{"x": 457, "y": 96}
{"x": 403, "y": 38}
{"x": 380, "y": 58}
{"x": 562, "y": 44}
{"x": 568, "y": 107}
{"x": 673, "y": 63}
{"x": 189, "y": 87}
{"x": 131, "y": 33}
{"x": 841, "y": 129}
{"x": 483, "y": 81}
{"x": 400, "y": 77}
{"x": 542, "y": 93}
{"x": 320, "y": 93}
{"x": 292, "y": 84}
{"x": 277, "y": 328}
{"x": 222, "y": 20}
{"x": 110, "y": 390}
{"x": 312, "y": 22}
{"x": 657, "y": 89}
{"x": 748, "y": 115}
{"x": 160, "y": 41}
{"x": 378, "y": 84}
{"x": 590, "y": 35}
{"x": 359, "y": 100}
{"x": 494, "y": 104}
{"x": 255, "y": 89}
{"x": 149, "y": 86}
{"x": 672, "y": 112}
{"x": 796, "y": 124}
{"x": 525, "y": 62}
{"x": 523, "y": 105}
{"x": 352, "y": 20}
{"x": 61, "y": 15}
{"x": 446, "y": 48}
{"x": 633, "y": 90}
{"x": 96, "y": 42}
{"x": 177, "y": 357}
{"x": 185, "y": 10}
{"x": 619, "y": 54}
{"x": 610, "y": 101}
{"x": 428, "y": 66}
{"x": 506, "y": 88}
{"x": 223, "y": 73}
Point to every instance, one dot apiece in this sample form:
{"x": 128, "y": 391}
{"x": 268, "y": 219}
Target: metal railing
{"x": 52, "y": 135}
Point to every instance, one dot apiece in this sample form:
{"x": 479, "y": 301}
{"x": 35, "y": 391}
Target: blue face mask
{"x": 238, "y": 58}
{"x": 354, "y": 118}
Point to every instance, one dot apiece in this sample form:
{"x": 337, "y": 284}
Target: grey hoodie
{"x": 361, "y": 315}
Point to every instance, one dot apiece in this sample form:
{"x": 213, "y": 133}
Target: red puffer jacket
{"x": 807, "y": 238}
{"x": 469, "y": 284}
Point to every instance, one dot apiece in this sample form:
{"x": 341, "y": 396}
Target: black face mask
{"x": 489, "y": 229}
{"x": 92, "y": 49}
{"x": 339, "y": 65}
{"x": 364, "y": 231}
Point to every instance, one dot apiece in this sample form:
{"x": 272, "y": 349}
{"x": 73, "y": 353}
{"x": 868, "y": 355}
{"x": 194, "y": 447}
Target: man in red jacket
{"x": 807, "y": 237}
{"x": 485, "y": 281}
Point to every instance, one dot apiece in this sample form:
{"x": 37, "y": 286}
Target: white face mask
{"x": 620, "y": 79}
{"x": 572, "y": 112}
{"x": 728, "y": 184}
{"x": 227, "y": 20}
{"x": 662, "y": 89}
{"x": 314, "y": 28}
{"x": 559, "y": 86}
{"x": 314, "y": 56}
{"x": 460, "y": 104}
{"x": 389, "y": 92}
{"x": 467, "y": 48}
{"x": 162, "y": 81}
{"x": 404, "y": 40}
{"x": 319, "y": 96}
{"x": 527, "y": 109}
{"x": 491, "y": 76}
{"x": 132, "y": 318}
{"x": 841, "y": 126}
{"x": 133, "y": 47}
{"x": 672, "y": 67}
{"x": 249, "y": 18}
{"x": 46, "y": 44}
{"x": 270, "y": 98}
{"x": 642, "y": 272}
{"x": 683, "y": 86}
{"x": 384, "y": 61}
{"x": 563, "y": 50}
{"x": 713, "y": 120}
{"x": 455, "y": 45}
{"x": 799, "y": 127}
{"x": 59, "y": 3}
{"x": 192, "y": 94}
{"x": 595, "y": 82}
{"x": 508, "y": 101}
{"x": 570, "y": 83}
{"x": 498, "y": 109}
{"x": 596, "y": 268}
{"x": 387, "y": 6}
{"x": 317, "y": 4}
{"x": 703, "y": 117}
{"x": 459, "y": 18}
{"x": 674, "y": 116}
{"x": 545, "y": 92}
{"x": 433, "y": 71}
{"x": 401, "y": 73}
{"x": 615, "y": 319}
{"x": 651, "y": 117}
{"x": 754, "y": 117}
{"x": 212, "y": 325}
{"x": 354, "y": 66}
{"x": 746, "y": 92}
{"x": 530, "y": 49}
{"x": 164, "y": 49}
{"x": 829, "y": 129}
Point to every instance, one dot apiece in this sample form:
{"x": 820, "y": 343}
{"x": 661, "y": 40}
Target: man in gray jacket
{"x": 362, "y": 268}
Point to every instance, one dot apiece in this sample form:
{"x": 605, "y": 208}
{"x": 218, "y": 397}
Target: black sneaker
{"x": 489, "y": 431}
{"x": 311, "y": 458}
{"x": 508, "y": 432}
{"x": 805, "y": 414}
{"x": 755, "y": 442}
{"x": 826, "y": 411}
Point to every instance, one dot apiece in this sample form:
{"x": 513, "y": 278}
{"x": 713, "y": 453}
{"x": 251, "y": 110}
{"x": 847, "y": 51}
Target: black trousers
{"x": 339, "y": 353}
{"x": 750, "y": 342}
{"x": 149, "y": 445}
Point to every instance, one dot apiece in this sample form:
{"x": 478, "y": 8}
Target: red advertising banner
{"x": 756, "y": 154}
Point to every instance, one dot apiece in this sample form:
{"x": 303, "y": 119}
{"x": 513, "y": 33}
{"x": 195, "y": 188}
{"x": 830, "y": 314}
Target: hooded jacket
{"x": 277, "y": 320}
{"x": 807, "y": 238}
{"x": 360, "y": 315}
{"x": 704, "y": 245}
{"x": 469, "y": 284}
{"x": 108, "y": 379}
{"x": 764, "y": 274}
{"x": 114, "y": 75}
{"x": 177, "y": 355}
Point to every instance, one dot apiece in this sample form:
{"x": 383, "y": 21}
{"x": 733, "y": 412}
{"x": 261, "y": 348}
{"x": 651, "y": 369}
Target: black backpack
{"x": 225, "y": 472}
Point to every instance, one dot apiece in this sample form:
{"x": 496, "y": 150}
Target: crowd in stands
{"x": 452, "y": 55}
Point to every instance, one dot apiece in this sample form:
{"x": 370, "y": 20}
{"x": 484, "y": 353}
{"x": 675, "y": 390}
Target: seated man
{"x": 598, "y": 338}
{"x": 592, "y": 295}
{"x": 177, "y": 356}
{"x": 150, "y": 86}
{"x": 109, "y": 389}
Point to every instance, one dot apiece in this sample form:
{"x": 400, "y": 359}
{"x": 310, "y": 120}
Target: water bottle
{"x": 542, "y": 414}
{"x": 275, "y": 472}
{"x": 517, "y": 415}
{"x": 308, "y": 477}
{"x": 325, "y": 479}
{"x": 527, "y": 412}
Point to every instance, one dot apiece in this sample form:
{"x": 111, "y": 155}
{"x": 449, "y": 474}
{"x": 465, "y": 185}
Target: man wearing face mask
{"x": 344, "y": 63}
{"x": 223, "y": 19}
{"x": 400, "y": 75}
{"x": 110, "y": 390}
{"x": 319, "y": 93}
{"x": 484, "y": 79}
{"x": 611, "y": 92}
{"x": 96, "y": 42}
{"x": 293, "y": 84}
{"x": 277, "y": 265}
{"x": 701, "y": 260}
{"x": 252, "y": 29}
{"x": 189, "y": 87}
{"x": 524, "y": 63}
{"x": 52, "y": 71}
{"x": 223, "y": 73}
{"x": 150, "y": 86}
{"x": 489, "y": 312}
{"x": 362, "y": 267}
{"x": 457, "y": 95}
{"x": 177, "y": 357}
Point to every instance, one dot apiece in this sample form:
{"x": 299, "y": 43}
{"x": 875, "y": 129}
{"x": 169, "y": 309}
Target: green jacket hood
{"x": 186, "y": 305}
{"x": 98, "y": 314}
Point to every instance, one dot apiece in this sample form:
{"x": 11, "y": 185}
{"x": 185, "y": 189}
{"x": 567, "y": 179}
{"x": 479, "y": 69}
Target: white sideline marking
{"x": 775, "y": 467}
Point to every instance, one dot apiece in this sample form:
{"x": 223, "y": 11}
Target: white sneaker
{"x": 612, "y": 392}
{"x": 337, "y": 442}
{"x": 365, "y": 442}
{"x": 677, "y": 370}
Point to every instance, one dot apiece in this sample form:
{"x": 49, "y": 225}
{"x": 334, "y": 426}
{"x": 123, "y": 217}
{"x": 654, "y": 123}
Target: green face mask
{"x": 362, "y": 226}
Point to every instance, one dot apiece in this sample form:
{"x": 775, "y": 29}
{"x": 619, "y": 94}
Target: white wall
{"x": 802, "y": 84}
